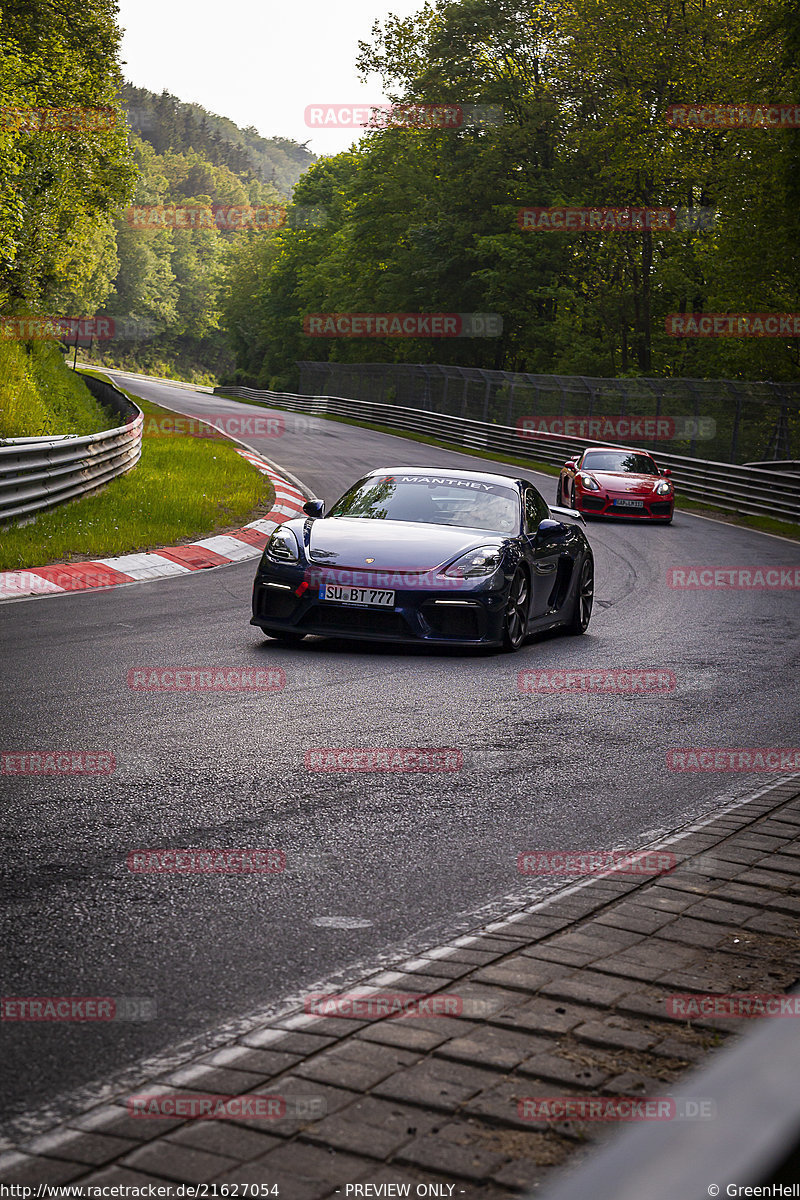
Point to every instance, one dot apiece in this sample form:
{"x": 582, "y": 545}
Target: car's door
{"x": 545, "y": 553}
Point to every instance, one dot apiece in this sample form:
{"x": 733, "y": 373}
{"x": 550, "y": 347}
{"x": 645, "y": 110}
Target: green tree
{"x": 60, "y": 187}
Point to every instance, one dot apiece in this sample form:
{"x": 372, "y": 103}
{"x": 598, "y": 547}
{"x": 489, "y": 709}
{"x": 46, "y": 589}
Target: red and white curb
{"x": 239, "y": 544}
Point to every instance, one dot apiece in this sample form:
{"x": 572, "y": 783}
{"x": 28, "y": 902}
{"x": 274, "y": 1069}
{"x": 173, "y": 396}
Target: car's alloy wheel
{"x": 515, "y": 624}
{"x": 584, "y": 598}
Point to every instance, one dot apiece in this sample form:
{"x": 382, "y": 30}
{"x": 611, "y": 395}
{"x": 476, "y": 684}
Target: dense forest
{"x": 425, "y": 219}
{"x": 168, "y": 124}
{"x": 421, "y": 217}
{"x": 68, "y": 243}
{"x": 166, "y": 299}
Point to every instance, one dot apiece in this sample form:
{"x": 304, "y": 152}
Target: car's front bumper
{"x": 470, "y": 615}
{"x": 654, "y": 508}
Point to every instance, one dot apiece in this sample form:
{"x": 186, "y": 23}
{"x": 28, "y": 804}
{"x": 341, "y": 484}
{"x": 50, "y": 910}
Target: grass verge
{"x": 40, "y": 395}
{"x": 182, "y": 489}
{"x": 785, "y": 529}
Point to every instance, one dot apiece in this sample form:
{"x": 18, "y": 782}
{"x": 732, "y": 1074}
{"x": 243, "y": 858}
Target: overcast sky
{"x": 258, "y": 62}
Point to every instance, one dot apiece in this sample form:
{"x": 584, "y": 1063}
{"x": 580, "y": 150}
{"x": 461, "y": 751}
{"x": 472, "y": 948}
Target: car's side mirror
{"x": 314, "y": 508}
{"x": 572, "y": 465}
{"x": 548, "y": 526}
{"x": 665, "y": 471}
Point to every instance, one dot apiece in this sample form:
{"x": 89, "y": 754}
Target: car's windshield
{"x": 433, "y": 500}
{"x": 619, "y": 460}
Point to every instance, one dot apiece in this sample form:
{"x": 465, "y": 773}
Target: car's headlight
{"x": 663, "y": 487}
{"x": 282, "y": 546}
{"x": 590, "y": 484}
{"x": 475, "y": 563}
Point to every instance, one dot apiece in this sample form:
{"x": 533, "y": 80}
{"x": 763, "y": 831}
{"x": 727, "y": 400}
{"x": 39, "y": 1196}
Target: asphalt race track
{"x": 406, "y": 860}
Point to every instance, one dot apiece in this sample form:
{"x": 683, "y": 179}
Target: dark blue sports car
{"x": 421, "y": 554}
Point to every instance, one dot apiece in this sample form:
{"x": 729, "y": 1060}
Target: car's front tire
{"x": 515, "y": 619}
{"x": 584, "y": 598}
{"x": 559, "y": 492}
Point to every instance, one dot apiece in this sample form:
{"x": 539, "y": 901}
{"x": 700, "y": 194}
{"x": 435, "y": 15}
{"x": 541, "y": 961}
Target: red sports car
{"x": 609, "y": 481}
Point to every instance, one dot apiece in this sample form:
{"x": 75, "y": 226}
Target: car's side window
{"x": 535, "y": 510}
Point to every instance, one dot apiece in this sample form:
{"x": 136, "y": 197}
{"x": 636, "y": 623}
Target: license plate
{"x": 629, "y": 503}
{"x": 361, "y": 597}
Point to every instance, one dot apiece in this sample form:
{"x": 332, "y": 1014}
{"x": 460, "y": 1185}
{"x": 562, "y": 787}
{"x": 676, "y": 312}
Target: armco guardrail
{"x": 755, "y": 491}
{"x": 782, "y": 464}
{"x": 40, "y": 472}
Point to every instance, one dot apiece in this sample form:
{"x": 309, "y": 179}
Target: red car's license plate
{"x": 629, "y": 503}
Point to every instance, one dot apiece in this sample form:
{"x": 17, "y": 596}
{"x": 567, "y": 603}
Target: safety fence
{"x": 725, "y": 420}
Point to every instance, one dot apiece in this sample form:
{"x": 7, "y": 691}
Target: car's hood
{"x": 624, "y": 481}
{"x": 358, "y": 543}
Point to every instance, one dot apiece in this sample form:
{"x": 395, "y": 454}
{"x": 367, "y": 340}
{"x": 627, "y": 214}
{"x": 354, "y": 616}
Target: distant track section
{"x": 754, "y": 491}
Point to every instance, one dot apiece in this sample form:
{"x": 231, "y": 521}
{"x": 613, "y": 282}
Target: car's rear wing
{"x": 566, "y": 512}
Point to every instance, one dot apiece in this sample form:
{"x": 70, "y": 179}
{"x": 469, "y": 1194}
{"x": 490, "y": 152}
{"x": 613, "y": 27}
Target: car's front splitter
{"x": 363, "y": 635}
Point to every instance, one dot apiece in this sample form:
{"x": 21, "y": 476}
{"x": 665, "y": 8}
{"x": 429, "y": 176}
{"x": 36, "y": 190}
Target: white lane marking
{"x": 341, "y": 922}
